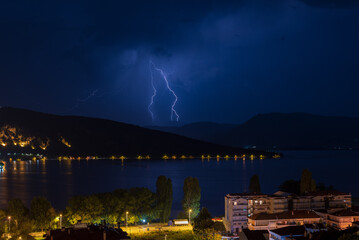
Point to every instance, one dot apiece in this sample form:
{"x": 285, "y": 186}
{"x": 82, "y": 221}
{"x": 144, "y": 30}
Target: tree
{"x": 112, "y": 207}
{"x": 41, "y": 212}
{"x": 73, "y": 211}
{"x": 347, "y": 236}
{"x": 2, "y": 222}
{"x": 87, "y": 209}
{"x": 23, "y": 230}
{"x": 219, "y": 227}
{"x": 17, "y": 211}
{"x": 290, "y": 186}
{"x": 164, "y": 197}
{"x": 92, "y": 209}
{"x": 204, "y": 227}
{"x": 307, "y": 184}
{"x": 313, "y": 186}
{"x": 203, "y": 221}
{"x": 192, "y": 196}
{"x": 167, "y": 212}
{"x": 139, "y": 202}
{"x": 254, "y": 186}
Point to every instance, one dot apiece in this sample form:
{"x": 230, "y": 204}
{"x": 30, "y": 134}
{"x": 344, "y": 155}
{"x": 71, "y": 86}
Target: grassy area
{"x": 176, "y": 235}
{"x": 169, "y": 235}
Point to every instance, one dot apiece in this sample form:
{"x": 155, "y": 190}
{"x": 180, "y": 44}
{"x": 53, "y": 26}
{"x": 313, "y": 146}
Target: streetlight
{"x": 126, "y": 219}
{"x": 9, "y": 217}
{"x": 189, "y": 216}
{"x": 60, "y": 221}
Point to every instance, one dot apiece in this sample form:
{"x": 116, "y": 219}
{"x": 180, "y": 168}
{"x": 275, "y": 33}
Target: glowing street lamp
{"x": 126, "y": 219}
{"x": 9, "y": 217}
{"x": 189, "y": 216}
{"x": 60, "y": 221}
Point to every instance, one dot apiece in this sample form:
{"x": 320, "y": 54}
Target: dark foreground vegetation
{"x": 119, "y": 208}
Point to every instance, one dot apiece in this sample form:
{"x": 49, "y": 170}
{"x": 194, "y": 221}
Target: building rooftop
{"x": 311, "y": 226}
{"x": 255, "y": 235}
{"x": 340, "y": 213}
{"x": 288, "y": 231}
{"x": 287, "y": 194}
{"x": 296, "y": 238}
{"x": 326, "y": 193}
{"x": 285, "y": 215}
{"x": 355, "y": 208}
{"x": 318, "y": 226}
{"x": 89, "y": 233}
{"x": 282, "y": 194}
{"x": 345, "y": 213}
{"x": 245, "y": 194}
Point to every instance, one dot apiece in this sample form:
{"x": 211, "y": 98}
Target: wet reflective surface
{"x": 59, "y": 180}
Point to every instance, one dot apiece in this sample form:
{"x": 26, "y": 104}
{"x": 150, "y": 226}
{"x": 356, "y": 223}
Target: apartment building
{"x": 238, "y": 207}
{"x": 341, "y": 219}
{"x": 330, "y": 200}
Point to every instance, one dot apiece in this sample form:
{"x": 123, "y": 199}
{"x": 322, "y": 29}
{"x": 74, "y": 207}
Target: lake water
{"x": 59, "y": 180}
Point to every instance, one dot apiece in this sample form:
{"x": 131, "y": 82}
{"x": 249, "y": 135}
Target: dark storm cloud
{"x": 331, "y": 3}
{"x": 161, "y": 52}
{"x": 226, "y": 60}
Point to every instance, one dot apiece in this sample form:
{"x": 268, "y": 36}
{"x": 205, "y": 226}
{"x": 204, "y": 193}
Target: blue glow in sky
{"x": 225, "y": 60}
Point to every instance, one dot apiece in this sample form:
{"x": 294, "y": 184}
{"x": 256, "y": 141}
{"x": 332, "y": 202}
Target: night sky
{"x": 225, "y": 60}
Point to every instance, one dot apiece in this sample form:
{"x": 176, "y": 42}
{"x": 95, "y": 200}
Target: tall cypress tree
{"x": 306, "y": 182}
{"x": 164, "y": 197}
{"x": 168, "y": 201}
{"x": 254, "y": 186}
{"x": 192, "y": 196}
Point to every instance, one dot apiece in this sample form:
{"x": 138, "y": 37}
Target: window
{"x": 234, "y": 203}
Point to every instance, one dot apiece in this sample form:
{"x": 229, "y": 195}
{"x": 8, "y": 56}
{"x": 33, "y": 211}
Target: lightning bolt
{"x": 173, "y": 110}
{"x": 154, "y": 91}
{"x": 88, "y": 97}
{"x": 79, "y": 101}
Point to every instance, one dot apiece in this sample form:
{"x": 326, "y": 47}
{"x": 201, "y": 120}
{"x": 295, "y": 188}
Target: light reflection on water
{"x": 59, "y": 180}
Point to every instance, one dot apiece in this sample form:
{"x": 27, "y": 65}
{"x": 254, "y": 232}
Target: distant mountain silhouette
{"x": 200, "y": 130}
{"x": 280, "y": 131}
{"x": 52, "y": 135}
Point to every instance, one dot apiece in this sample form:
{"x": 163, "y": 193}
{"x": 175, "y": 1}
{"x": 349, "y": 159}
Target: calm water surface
{"x": 59, "y": 180}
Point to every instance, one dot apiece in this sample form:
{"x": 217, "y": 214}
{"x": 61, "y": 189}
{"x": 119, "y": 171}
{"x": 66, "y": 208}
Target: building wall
{"x": 279, "y": 223}
{"x": 278, "y": 204}
{"x": 302, "y": 203}
{"x": 258, "y": 205}
{"x": 236, "y": 213}
{"x": 274, "y": 236}
{"x": 340, "y": 221}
